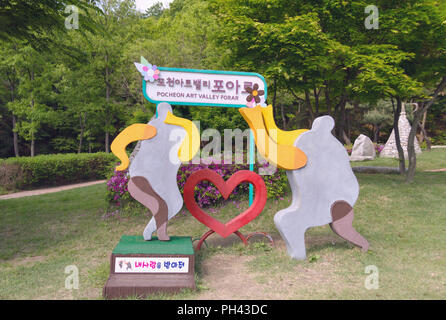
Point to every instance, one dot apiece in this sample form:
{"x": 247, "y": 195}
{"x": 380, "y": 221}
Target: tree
{"x": 156, "y": 10}
{"x": 318, "y": 52}
{"x": 379, "y": 116}
{"x": 108, "y": 42}
{"x": 181, "y": 37}
{"x": 418, "y": 28}
{"x": 8, "y": 70}
{"x": 425, "y": 105}
{"x": 36, "y": 22}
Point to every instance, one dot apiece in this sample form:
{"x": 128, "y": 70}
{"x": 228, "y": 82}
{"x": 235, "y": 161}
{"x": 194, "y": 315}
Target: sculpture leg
{"x": 293, "y": 233}
{"x": 296, "y": 245}
{"x": 162, "y": 232}
{"x": 141, "y": 190}
{"x": 343, "y": 214}
{"x": 149, "y": 230}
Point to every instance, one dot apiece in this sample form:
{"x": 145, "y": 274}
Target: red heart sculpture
{"x": 225, "y": 189}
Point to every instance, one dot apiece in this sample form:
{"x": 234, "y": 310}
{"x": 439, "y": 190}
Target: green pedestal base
{"x": 139, "y": 267}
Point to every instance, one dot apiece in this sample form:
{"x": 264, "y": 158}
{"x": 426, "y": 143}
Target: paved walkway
{"x": 436, "y": 170}
{"x": 49, "y": 190}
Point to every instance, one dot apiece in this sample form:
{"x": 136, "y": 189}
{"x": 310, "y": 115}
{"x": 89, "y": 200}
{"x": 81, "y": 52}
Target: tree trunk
{"x": 416, "y": 120}
{"x": 33, "y": 144}
{"x": 82, "y": 120}
{"x": 348, "y": 129}
{"x": 411, "y": 148}
{"x": 282, "y": 114}
{"x": 327, "y": 98}
{"x": 107, "y": 99}
{"x": 107, "y": 141}
{"x": 396, "y": 117}
{"x": 274, "y": 99}
{"x": 424, "y": 136}
{"x": 340, "y": 124}
{"x": 316, "y": 101}
{"x": 32, "y": 116}
{"x": 275, "y": 93}
{"x": 33, "y": 153}
{"x": 346, "y": 138}
{"x": 376, "y": 133}
{"x": 15, "y": 136}
{"x": 298, "y": 100}
{"x": 308, "y": 105}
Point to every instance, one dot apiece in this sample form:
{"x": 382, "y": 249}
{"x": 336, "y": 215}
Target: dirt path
{"x": 228, "y": 277}
{"x": 231, "y": 277}
{"x": 49, "y": 190}
{"x": 436, "y": 170}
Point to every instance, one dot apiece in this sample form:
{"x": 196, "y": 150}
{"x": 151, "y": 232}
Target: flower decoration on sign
{"x": 254, "y": 94}
{"x": 148, "y": 71}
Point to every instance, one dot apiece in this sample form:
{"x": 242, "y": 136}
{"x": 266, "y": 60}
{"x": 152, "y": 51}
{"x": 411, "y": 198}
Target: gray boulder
{"x": 363, "y": 149}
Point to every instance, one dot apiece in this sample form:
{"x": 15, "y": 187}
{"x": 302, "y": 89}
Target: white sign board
{"x": 202, "y": 87}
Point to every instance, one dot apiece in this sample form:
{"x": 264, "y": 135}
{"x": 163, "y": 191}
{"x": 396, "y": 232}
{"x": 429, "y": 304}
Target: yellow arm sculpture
{"x": 191, "y": 143}
{"x": 135, "y": 132}
{"x": 283, "y": 156}
{"x": 278, "y": 135}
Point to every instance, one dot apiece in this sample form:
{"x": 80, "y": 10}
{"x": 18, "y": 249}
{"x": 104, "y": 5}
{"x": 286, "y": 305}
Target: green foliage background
{"x": 65, "y": 91}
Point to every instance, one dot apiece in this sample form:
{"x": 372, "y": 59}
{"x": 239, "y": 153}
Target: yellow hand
{"x": 283, "y": 156}
{"x": 135, "y": 132}
{"x": 191, "y": 143}
{"x": 278, "y": 135}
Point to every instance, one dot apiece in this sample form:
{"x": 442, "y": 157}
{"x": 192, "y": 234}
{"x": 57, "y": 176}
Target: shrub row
{"x": 53, "y": 170}
{"x": 205, "y": 194}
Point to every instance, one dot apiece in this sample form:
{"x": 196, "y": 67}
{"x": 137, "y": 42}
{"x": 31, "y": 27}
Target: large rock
{"x": 363, "y": 149}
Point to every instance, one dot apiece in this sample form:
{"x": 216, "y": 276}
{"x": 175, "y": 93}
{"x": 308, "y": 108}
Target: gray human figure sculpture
{"x": 153, "y": 173}
{"x": 323, "y": 192}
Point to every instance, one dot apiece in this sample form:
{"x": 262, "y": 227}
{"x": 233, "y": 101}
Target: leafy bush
{"x": 439, "y": 139}
{"x": 54, "y": 170}
{"x": 9, "y": 174}
{"x": 207, "y": 194}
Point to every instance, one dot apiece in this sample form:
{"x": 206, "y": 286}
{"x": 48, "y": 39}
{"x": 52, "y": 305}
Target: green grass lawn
{"x": 428, "y": 160}
{"x": 404, "y": 223}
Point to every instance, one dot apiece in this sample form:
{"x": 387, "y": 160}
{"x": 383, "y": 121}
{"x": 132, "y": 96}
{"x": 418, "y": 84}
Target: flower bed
{"x": 206, "y": 194}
